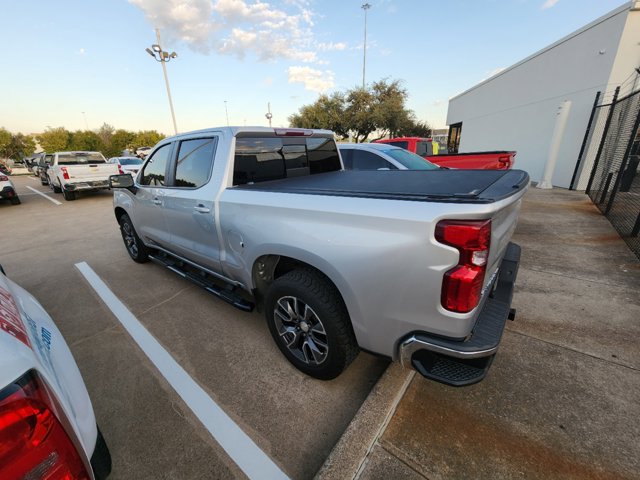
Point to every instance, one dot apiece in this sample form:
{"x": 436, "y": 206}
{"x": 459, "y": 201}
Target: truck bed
{"x": 447, "y": 186}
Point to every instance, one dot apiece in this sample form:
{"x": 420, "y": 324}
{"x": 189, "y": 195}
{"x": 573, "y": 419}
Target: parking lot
{"x": 292, "y": 419}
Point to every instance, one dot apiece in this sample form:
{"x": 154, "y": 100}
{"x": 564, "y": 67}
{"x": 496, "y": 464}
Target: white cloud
{"x": 82, "y": 51}
{"x": 549, "y": 4}
{"x": 236, "y": 27}
{"x": 314, "y": 80}
{"x": 327, "y": 47}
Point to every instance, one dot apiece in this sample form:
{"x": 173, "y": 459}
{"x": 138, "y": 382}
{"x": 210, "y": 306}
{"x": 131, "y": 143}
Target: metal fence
{"x": 614, "y": 184}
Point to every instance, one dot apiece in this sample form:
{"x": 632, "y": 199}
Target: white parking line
{"x": 45, "y": 196}
{"x": 238, "y": 445}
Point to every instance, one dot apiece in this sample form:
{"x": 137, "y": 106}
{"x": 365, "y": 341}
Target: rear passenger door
{"x": 189, "y": 206}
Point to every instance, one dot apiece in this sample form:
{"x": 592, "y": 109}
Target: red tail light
{"x": 65, "y": 173}
{"x": 3, "y": 178}
{"x": 505, "y": 162}
{"x": 462, "y": 284}
{"x": 289, "y": 132}
{"x": 120, "y": 170}
{"x": 33, "y": 443}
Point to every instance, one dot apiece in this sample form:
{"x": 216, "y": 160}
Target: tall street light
{"x": 365, "y": 7}
{"x": 163, "y": 57}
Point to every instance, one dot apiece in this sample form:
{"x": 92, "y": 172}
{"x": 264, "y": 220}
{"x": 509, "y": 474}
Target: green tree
{"x": 85, "y": 140}
{"x": 358, "y": 113}
{"x": 54, "y": 139}
{"x": 120, "y": 140}
{"x": 146, "y": 138}
{"x": 327, "y": 112}
{"x": 20, "y": 146}
{"x": 104, "y": 133}
{"x": 5, "y": 142}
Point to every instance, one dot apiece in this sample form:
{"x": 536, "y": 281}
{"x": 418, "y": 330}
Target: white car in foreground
{"x": 47, "y": 426}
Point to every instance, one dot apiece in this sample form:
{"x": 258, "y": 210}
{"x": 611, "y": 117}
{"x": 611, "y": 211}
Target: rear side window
{"x": 260, "y": 159}
{"x": 153, "y": 172}
{"x": 399, "y": 144}
{"x": 363, "y": 160}
{"x": 424, "y": 148}
{"x": 195, "y": 159}
{"x": 80, "y": 158}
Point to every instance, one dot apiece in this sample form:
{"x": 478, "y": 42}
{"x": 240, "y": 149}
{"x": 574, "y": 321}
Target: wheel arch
{"x": 268, "y": 267}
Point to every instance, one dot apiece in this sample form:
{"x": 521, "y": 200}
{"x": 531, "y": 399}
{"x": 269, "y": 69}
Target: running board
{"x": 201, "y": 280}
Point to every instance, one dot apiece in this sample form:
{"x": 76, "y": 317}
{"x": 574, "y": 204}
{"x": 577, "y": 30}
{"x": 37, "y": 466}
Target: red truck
{"x": 498, "y": 160}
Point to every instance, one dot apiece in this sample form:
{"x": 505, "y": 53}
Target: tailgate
{"x": 91, "y": 172}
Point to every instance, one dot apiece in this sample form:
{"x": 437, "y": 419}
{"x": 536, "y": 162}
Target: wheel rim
{"x": 129, "y": 238}
{"x": 300, "y": 330}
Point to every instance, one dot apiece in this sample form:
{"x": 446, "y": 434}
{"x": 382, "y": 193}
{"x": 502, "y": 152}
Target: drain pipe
{"x": 562, "y": 116}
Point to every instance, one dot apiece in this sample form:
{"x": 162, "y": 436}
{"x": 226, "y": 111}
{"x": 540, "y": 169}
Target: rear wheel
{"x": 15, "y": 201}
{"x": 310, "y": 324}
{"x": 136, "y": 249}
{"x": 68, "y": 195}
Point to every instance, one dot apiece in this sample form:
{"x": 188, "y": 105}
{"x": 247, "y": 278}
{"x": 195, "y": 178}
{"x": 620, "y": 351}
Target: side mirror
{"x": 121, "y": 181}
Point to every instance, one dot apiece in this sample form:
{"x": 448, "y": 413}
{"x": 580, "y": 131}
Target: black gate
{"x": 614, "y": 184}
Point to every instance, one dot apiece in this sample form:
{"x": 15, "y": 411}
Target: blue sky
{"x": 67, "y": 57}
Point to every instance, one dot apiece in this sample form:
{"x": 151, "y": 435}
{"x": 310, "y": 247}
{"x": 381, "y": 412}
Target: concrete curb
{"x": 350, "y": 453}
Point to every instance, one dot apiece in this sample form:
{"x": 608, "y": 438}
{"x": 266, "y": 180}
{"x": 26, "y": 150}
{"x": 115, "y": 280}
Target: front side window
{"x": 153, "y": 173}
{"x": 195, "y": 159}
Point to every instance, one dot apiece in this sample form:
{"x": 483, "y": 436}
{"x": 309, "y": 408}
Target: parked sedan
{"x": 129, "y": 165}
{"x": 7, "y": 190}
{"x": 380, "y": 156}
{"x": 47, "y": 425}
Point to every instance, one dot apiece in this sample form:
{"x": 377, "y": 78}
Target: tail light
{"x": 120, "y": 170}
{"x": 65, "y": 173}
{"x": 462, "y": 285}
{"x": 3, "y": 178}
{"x": 505, "y": 162}
{"x": 33, "y": 442}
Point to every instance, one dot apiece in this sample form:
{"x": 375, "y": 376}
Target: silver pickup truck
{"x": 416, "y": 266}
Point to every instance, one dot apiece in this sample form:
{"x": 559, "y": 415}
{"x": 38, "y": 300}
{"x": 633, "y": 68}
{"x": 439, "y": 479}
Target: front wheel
{"x": 136, "y": 249}
{"x": 56, "y": 189}
{"x": 310, "y": 323}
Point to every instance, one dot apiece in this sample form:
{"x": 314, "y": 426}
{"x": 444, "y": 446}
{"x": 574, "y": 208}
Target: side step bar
{"x": 202, "y": 280}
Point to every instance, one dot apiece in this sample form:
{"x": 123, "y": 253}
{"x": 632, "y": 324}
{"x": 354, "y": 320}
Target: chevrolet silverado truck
{"x": 416, "y": 266}
{"x": 72, "y": 172}
{"x": 47, "y": 426}
{"x": 494, "y": 160}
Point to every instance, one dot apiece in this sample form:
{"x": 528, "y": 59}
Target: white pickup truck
{"x": 47, "y": 426}
{"x": 413, "y": 265}
{"x": 71, "y": 172}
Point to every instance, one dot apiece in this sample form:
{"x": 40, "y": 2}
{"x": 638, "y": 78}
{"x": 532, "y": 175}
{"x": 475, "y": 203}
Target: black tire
{"x": 324, "y": 324}
{"x": 136, "y": 249}
{"x": 68, "y": 195}
{"x": 15, "y": 201}
{"x": 43, "y": 182}
{"x": 56, "y": 189}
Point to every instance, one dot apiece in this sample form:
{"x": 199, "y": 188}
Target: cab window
{"x": 195, "y": 159}
{"x": 153, "y": 173}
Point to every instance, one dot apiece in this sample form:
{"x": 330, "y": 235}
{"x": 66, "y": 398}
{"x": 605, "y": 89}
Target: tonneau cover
{"x": 459, "y": 186}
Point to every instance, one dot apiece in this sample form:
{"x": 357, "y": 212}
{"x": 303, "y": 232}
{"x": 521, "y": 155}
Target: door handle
{"x": 202, "y": 209}
{"x": 157, "y": 201}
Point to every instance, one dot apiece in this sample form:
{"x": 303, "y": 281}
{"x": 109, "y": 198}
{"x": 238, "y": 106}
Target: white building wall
{"x": 516, "y": 109}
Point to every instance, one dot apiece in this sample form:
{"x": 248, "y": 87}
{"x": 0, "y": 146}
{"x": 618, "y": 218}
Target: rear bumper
{"x": 7, "y": 192}
{"x": 93, "y": 185}
{"x": 460, "y": 363}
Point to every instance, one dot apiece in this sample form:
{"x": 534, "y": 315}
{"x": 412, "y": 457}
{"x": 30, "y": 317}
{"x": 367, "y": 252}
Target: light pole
{"x": 365, "y": 7}
{"x": 268, "y": 114}
{"x": 163, "y": 57}
{"x": 226, "y": 111}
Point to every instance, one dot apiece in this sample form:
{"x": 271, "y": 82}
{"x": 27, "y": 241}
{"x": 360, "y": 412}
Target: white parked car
{"x": 381, "y": 156}
{"x": 8, "y": 190}
{"x": 127, "y": 164}
{"x": 47, "y": 425}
